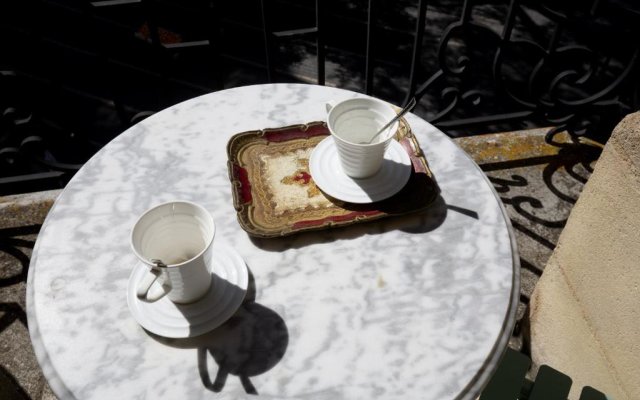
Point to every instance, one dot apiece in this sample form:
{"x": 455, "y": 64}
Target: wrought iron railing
{"x": 75, "y": 74}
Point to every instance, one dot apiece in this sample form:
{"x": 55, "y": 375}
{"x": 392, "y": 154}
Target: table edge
{"x": 482, "y": 377}
{"x": 471, "y": 391}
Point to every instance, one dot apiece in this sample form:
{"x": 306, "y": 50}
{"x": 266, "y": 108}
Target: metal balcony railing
{"x": 75, "y": 74}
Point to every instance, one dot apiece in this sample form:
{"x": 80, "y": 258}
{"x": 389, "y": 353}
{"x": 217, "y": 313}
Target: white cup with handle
{"x": 174, "y": 240}
{"x": 353, "y": 123}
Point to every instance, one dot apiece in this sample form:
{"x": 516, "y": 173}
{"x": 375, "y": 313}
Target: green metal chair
{"x": 510, "y": 383}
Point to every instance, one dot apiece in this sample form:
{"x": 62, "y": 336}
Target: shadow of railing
{"x": 16, "y": 244}
{"x": 538, "y": 182}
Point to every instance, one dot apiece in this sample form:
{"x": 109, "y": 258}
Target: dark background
{"x": 74, "y": 73}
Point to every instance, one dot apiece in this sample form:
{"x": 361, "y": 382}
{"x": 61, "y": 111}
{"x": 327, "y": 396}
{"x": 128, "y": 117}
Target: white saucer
{"x": 229, "y": 283}
{"x": 327, "y": 173}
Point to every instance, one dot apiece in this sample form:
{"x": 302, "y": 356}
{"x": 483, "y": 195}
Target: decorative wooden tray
{"x": 275, "y": 195}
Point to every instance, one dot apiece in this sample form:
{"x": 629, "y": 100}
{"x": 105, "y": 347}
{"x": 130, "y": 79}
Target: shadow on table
{"x": 415, "y": 223}
{"x": 248, "y": 344}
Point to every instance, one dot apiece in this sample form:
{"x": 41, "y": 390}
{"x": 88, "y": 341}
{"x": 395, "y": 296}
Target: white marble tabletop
{"x": 416, "y": 307}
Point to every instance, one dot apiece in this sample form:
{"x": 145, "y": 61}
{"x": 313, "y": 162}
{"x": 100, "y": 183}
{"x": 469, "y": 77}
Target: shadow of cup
{"x": 252, "y": 342}
{"x": 249, "y": 343}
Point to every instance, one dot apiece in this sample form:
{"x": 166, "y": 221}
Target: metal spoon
{"x": 407, "y": 108}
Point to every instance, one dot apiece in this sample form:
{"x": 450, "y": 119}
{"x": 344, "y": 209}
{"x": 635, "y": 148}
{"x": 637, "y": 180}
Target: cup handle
{"x": 145, "y": 290}
{"x": 330, "y": 104}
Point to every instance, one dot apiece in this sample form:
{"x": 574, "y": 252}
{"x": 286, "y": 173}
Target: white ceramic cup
{"x": 352, "y": 124}
{"x": 174, "y": 239}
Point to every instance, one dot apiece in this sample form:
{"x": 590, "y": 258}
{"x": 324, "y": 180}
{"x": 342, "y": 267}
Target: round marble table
{"x": 415, "y": 307}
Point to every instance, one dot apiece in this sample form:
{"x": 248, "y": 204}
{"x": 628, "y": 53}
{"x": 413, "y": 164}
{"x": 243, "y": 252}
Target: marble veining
{"x": 415, "y": 307}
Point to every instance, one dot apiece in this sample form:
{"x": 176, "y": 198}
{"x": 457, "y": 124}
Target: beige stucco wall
{"x": 585, "y": 310}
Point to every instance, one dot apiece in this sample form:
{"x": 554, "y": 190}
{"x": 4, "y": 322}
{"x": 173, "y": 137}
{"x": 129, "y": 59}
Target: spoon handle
{"x": 406, "y": 109}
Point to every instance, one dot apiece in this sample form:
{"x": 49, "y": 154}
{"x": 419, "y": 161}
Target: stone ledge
{"x": 516, "y": 145}
{"x": 26, "y": 209}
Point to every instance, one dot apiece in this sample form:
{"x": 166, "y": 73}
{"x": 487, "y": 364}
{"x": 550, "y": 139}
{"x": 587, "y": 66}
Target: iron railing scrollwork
{"x": 498, "y": 65}
{"x": 582, "y": 77}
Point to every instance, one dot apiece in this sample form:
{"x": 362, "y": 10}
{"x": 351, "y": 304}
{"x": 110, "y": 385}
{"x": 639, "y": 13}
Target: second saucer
{"x": 327, "y": 173}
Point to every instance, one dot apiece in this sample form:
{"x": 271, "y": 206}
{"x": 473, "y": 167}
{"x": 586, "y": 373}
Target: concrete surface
{"x": 584, "y": 312}
{"x": 538, "y": 183}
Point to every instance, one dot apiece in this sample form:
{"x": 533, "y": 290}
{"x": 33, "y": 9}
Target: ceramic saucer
{"x": 327, "y": 173}
{"x": 229, "y": 283}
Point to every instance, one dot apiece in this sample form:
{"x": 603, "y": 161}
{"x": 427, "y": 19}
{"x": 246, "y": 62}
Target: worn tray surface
{"x": 275, "y": 195}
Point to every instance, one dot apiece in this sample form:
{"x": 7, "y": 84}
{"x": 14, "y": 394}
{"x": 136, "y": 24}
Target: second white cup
{"x": 352, "y": 124}
{"x": 174, "y": 240}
